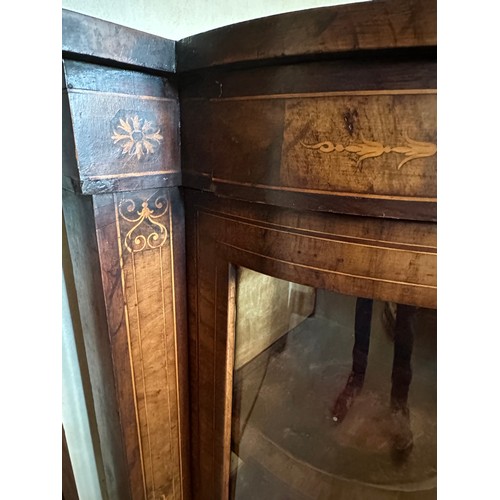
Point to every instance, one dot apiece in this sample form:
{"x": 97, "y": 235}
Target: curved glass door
{"x": 334, "y": 396}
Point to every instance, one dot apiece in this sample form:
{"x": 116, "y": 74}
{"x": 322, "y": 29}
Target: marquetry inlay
{"x": 371, "y": 149}
{"x": 136, "y": 136}
{"x": 146, "y": 259}
{"x": 147, "y": 232}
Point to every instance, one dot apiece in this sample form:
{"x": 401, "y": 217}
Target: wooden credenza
{"x": 302, "y": 146}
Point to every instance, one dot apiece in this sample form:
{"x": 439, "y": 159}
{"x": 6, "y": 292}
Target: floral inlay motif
{"x": 371, "y": 149}
{"x": 137, "y": 137}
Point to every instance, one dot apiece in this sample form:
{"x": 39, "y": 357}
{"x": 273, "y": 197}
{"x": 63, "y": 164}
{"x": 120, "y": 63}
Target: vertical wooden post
{"x": 125, "y": 224}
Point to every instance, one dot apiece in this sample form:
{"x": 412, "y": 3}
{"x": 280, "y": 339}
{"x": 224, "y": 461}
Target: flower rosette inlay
{"x": 147, "y": 232}
{"x": 137, "y": 137}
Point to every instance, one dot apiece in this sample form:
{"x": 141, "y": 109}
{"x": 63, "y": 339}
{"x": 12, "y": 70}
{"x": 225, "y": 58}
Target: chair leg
{"x": 362, "y": 326}
{"x": 401, "y": 379}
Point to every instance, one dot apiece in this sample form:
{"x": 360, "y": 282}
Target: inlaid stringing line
{"x": 127, "y": 324}
{"x": 165, "y": 349}
{"x": 143, "y": 377}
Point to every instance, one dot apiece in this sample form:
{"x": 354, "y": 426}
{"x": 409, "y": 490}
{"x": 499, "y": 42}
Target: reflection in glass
{"x": 333, "y": 396}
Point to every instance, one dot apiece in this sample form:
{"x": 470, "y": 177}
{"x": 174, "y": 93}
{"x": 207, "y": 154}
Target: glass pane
{"x": 334, "y": 396}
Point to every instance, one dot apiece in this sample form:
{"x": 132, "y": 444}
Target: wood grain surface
{"x": 125, "y": 128}
{"x": 330, "y": 109}
{"x": 140, "y": 239}
{"x": 389, "y": 70}
{"x": 338, "y": 29}
{"x": 368, "y": 152}
{"x": 95, "y": 39}
{"x": 373, "y": 144}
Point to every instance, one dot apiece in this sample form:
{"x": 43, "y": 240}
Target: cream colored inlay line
{"x": 322, "y": 191}
{"x": 304, "y": 266}
{"x": 339, "y": 93}
{"x": 143, "y": 378}
{"x": 121, "y": 94}
{"x": 330, "y": 240}
{"x": 131, "y": 174}
{"x": 311, "y": 233}
{"x": 165, "y": 348}
{"x": 129, "y": 342}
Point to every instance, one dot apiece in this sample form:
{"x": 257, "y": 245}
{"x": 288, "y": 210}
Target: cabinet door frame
{"x": 381, "y": 259}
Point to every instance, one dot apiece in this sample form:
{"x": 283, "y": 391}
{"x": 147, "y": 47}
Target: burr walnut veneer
{"x": 302, "y": 146}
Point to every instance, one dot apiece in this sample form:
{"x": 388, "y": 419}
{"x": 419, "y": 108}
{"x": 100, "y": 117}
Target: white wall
{"x": 74, "y": 412}
{"x": 176, "y": 19}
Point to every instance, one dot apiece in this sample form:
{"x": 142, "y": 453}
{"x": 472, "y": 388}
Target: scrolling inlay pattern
{"x": 147, "y": 232}
{"x": 371, "y": 149}
{"x": 136, "y": 136}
